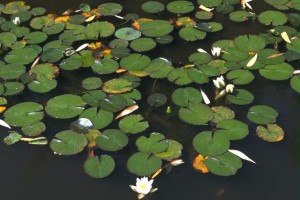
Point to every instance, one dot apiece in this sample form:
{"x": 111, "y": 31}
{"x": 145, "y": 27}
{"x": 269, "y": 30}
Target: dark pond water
{"x": 34, "y": 172}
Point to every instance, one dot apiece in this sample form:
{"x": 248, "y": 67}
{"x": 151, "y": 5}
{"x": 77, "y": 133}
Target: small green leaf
{"x": 295, "y": 83}
{"x": 112, "y": 140}
{"x": 271, "y": 17}
{"x": 184, "y": 96}
{"x": 273, "y": 133}
{"x": 240, "y": 97}
{"x": 278, "y": 72}
{"x": 155, "y": 143}
{"x": 196, "y": 114}
{"x": 261, "y": 114}
{"x": 157, "y": 99}
{"x": 173, "y": 151}
{"x": 99, "y": 166}
{"x": 233, "y": 129}
{"x": 133, "y": 124}
{"x": 12, "y": 138}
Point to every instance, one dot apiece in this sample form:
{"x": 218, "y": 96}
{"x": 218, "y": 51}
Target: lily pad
{"x": 24, "y": 114}
{"x": 155, "y": 143}
{"x": 13, "y": 88}
{"x": 143, "y": 44}
{"x": 180, "y": 7}
{"x": 200, "y": 58}
{"x": 209, "y": 3}
{"x": 240, "y": 16}
{"x": 234, "y": 55}
{"x": 184, "y": 96}
{"x": 233, "y": 129}
{"x": 273, "y": 133}
{"x": 133, "y": 124}
{"x": 92, "y": 83}
{"x": 196, "y": 114}
{"x": 271, "y": 17}
{"x": 113, "y": 103}
{"x": 223, "y": 165}
{"x": 42, "y": 85}
{"x": 52, "y": 55}
{"x": 35, "y": 37}
{"x": 153, "y": 7}
{"x": 65, "y": 106}
{"x": 240, "y": 76}
{"x": 156, "y": 28}
{"x": 135, "y": 62}
{"x": 179, "y": 76}
{"x": 159, "y": 68}
{"x": 211, "y": 144}
{"x": 261, "y": 114}
{"x": 222, "y": 113}
{"x": 71, "y": 63}
{"x": 99, "y": 117}
{"x": 173, "y": 151}
{"x": 157, "y": 99}
{"x": 21, "y": 56}
{"x": 34, "y": 129}
{"x": 11, "y": 71}
{"x": 12, "y": 138}
{"x": 99, "y": 166}
{"x": 282, "y": 71}
{"x": 112, "y": 140}
{"x": 143, "y": 164}
{"x": 105, "y": 66}
{"x": 68, "y": 143}
{"x": 93, "y": 98}
{"x": 240, "y": 97}
{"x": 128, "y": 33}
{"x": 267, "y": 57}
{"x": 117, "y": 86}
{"x": 109, "y": 9}
{"x": 7, "y": 39}
{"x": 99, "y": 29}
{"x": 295, "y": 83}
{"x": 249, "y": 42}
{"x": 14, "y": 7}
{"x": 191, "y": 34}
{"x": 40, "y": 22}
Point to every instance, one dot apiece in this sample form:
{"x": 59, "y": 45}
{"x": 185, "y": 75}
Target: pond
{"x": 35, "y": 172}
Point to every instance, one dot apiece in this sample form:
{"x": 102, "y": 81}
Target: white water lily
{"x": 216, "y": 51}
{"x": 143, "y": 187}
{"x": 16, "y": 21}
{"x": 219, "y": 82}
{"x": 245, "y": 3}
{"x": 229, "y": 88}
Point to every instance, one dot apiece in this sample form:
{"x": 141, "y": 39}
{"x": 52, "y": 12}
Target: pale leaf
{"x": 275, "y": 55}
{"x": 91, "y": 18}
{"x": 121, "y": 71}
{"x": 205, "y": 98}
{"x": 252, "y": 61}
{"x": 156, "y": 173}
{"x": 241, "y": 155}
{"x": 296, "y": 72}
{"x": 35, "y": 62}
{"x": 82, "y": 47}
{"x": 127, "y": 111}
{"x": 285, "y": 37}
{"x": 3, "y": 123}
{"x": 205, "y": 8}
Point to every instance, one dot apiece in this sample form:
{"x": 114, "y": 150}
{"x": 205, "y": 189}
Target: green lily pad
{"x": 157, "y": 99}
{"x": 93, "y": 98}
{"x": 180, "y": 7}
{"x": 7, "y": 39}
{"x": 118, "y": 42}
{"x": 279, "y": 4}
{"x": 211, "y": 144}
{"x": 222, "y": 113}
{"x": 128, "y": 33}
{"x": 173, "y": 151}
{"x": 117, "y": 86}
{"x": 196, "y": 114}
{"x": 215, "y": 26}
{"x": 203, "y": 27}
{"x": 38, "y": 11}
{"x": 87, "y": 58}
{"x": 153, "y": 7}
{"x": 165, "y": 39}
{"x": 223, "y": 165}
{"x": 234, "y": 55}
{"x": 132, "y": 97}
{"x": 240, "y": 76}
{"x": 105, "y": 66}
{"x": 46, "y": 70}
{"x": 42, "y": 85}
{"x": 184, "y": 96}
{"x": 54, "y": 28}
{"x": 179, "y": 76}
{"x": 21, "y": 56}
{"x": 191, "y": 34}
{"x": 13, "y": 88}
{"x": 155, "y": 143}
{"x": 68, "y": 143}
{"x": 109, "y": 9}
{"x": 40, "y": 22}
{"x": 261, "y": 114}
{"x": 120, "y": 52}
{"x": 84, "y": 7}
{"x": 265, "y": 57}
{"x": 65, "y": 106}
{"x": 19, "y": 31}
{"x": 249, "y": 42}
{"x": 72, "y": 63}
{"x": 282, "y": 71}
{"x": 133, "y": 124}
{"x": 34, "y": 129}
{"x": 209, "y": 3}
{"x": 99, "y": 117}
{"x": 24, "y": 114}
{"x": 240, "y": 97}
{"x": 99, "y": 166}
{"x": 294, "y": 46}
{"x": 12, "y": 138}
{"x": 14, "y": 7}
{"x": 159, "y": 68}
{"x": 295, "y": 83}
{"x": 92, "y": 83}
{"x": 35, "y": 37}
{"x": 204, "y": 15}
{"x": 156, "y": 28}
{"x": 11, "y": 71}
{"x": 113, "y": 103}
{"x": 143, "y": 164}
{"x": 273, "y": 133}
{"x": 197, "y": 76}
{"x": 143, "y": 44}
{"x": 99, "y": 29}
{"x": 271, "y": 17}
{"x": 52, "y": 55}
{"x": 240, "y": 16}
{"x": 233, "y": 129}
{"x": 112, "y": 140}
{"x": 135, "y": 62}
{"x": 200, "y": 58}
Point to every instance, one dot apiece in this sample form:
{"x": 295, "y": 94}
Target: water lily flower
{"x": 143, "y": 187}
{"x": 216, "y": 51}
{"x": 219, "y": 82}
{"x": 245, "y": 3}
{"x": 177, "y": 162}
{"x": 229, "y": 88}
{"x": 16, "y": 21}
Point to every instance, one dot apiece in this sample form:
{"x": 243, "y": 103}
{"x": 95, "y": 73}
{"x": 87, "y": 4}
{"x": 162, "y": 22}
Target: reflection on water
{"x": 36, "y": 173}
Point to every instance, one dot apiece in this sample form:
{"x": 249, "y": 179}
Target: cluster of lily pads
{"x": 35, "y": 47}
